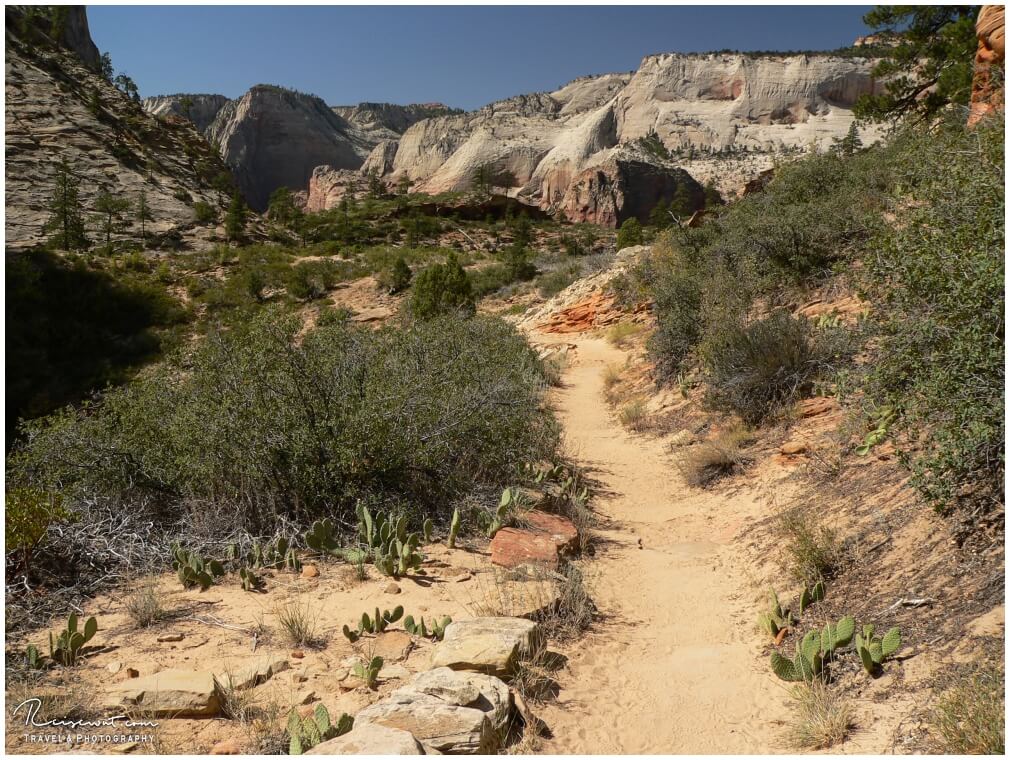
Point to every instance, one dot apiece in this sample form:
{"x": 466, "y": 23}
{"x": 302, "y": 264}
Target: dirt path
{"x": 673, "y": 666}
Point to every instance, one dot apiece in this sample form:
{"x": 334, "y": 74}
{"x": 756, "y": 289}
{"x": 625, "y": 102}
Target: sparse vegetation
{"x": 144, "y": 606}
{"x": 821, "y": 717}
{"x": 969, "y": 717}
{"x": 299, "y": 622}
{"x": 707, "y": 462}
{"x": 811, "y": 549}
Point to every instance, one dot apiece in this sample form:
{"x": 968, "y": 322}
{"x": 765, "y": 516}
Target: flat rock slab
{"x": 253, "y": 674}
{"x": 490, "y": 645}
{"x": 391, "y": 646}
{"x": 370, "y": 739}
{"x": 446, "y": 711}
{"x": 512, "y": 547}
{"x": 560, "y": 529}
{"x": 170, "y": 693}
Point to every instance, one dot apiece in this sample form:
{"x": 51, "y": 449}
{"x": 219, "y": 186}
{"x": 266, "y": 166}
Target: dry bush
{"x": 969, "y": 717}
{"x": 298, "y": 621}
{"x": 621, "y": 334}
{"x": 707, "y": 462}
{"x": 144, "y": 606}
{"x": 812, "y": 550}
{"x": 635, "y": 415}
{"x": 821, "y": 718}
{"x": 554, "y": 368}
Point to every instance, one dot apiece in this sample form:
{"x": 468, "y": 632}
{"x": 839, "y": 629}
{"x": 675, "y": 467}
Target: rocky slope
{"x": 199, "y": 109}
{"x": 58, "y": 107}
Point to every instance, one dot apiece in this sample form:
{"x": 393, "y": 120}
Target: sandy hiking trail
{"x": 673, "y": 665}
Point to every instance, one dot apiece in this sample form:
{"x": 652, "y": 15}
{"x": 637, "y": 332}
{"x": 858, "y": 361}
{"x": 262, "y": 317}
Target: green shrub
{"x": 28, "y": 513}
{"x": 939, "y": 276}
{"x": 553, "y": 282}
{"x": 259, "y": 425}
{"x": 755, "y": 369}
{"x": 397, "y": 278}
{"x": 629, "y": 234}
{"x": 205, "y": 213}
{"x": 442, "y": 289}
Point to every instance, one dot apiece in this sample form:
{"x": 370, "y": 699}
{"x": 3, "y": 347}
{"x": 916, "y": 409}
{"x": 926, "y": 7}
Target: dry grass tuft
{"x": 554, "y": 368}
{"x": 635, "y": 415}
{"x": 298, "y": 622}
{"x": 821, "y": 717}
{"x": 621, "y": 334}
{"x": 969, "y": 717}
{"x": 707, "y": 462}
{"x": 812, "y": 550}
{"x": 144, "y": 605}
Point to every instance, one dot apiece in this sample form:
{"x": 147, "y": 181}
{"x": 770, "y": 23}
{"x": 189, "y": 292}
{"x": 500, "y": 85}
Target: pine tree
{"x": 143, "y": 215}
{"x": 234, "y": 221}
{"x": 850, "y": 144}
{"x": 66, "y": 219}
{"x": 110, "y": 216}
{"x": 629, "y": 234}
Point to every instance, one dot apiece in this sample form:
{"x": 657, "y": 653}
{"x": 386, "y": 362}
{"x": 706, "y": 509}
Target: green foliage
{"x": 850, "y": 143}
{"x": 65, "y": 224}
{"x": 73, "y": 328}
{"x": 235, "y": 219}
{"x": 776, "y": 618}
{"x": 263, "y": 426}
{"x": 419, "y": 628}
{"x": 873, "y": 650}
{"x": 32, "y": 657}
{"x": 938, "y": 274}
{"x": 377, "y": 624}
{"x": 755, "y": 369}
{"x": 368, "y": 672}
{"x": 811, "y": 595}
{"x": 397, "y": 279}
{"x": 193, "y": 570}
{"x": 28, "y": 513}
{"x": 249, "y": 580}
{"x": 629, "y": 234}
{"x": 111, "y": 210}
{"x": 814, "y": 652}
{"x": 929, "y": 68}
{"x": 205, "y": 213}
{"x": 281, "y": 207}
{"x": 442, "y": 289}
{"x": 65, "y": 647}
{"x": 305, "y": 733}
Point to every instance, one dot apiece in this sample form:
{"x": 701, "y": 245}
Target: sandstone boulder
{"x": 447, "y": 712}
{"x": 986, "y": 94}
{"x": 370, "y": 739}
{"x": 175, "y": 693}
{"x": 560, "y": 530}
{"x": 490, "y": 645}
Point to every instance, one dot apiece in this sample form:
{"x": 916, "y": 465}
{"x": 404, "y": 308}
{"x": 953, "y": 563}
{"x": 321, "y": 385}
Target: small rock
{"x": 227, "y": 747}
{"x": 305, "y": 697}
{"x": 463, "y": 578}
{"x": 394, "y": 672}
{"x": 114, "y": 667}
{"x": 171, "y": 637}
{"x": 310, "y": 571}
{"x": 298, "y": 654}
{"x": 792, "y": 448}
{"x": 126, "y": 674}
{"x": 392, "y": 588}
{"x": 392, "y": 646}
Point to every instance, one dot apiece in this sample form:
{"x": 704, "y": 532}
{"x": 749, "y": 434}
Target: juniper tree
{"x": 234, "y": 221}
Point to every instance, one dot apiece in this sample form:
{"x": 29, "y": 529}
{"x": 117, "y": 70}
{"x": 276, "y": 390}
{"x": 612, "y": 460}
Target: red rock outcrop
{"x": 598, "y": 310}
{"x": 987, "y": 96}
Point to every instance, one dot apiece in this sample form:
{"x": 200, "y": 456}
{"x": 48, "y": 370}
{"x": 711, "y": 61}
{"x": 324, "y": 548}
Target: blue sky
{"x": 461, "y": 56}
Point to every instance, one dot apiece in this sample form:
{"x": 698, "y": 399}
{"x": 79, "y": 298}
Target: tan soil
{"x": 675, "y": 665}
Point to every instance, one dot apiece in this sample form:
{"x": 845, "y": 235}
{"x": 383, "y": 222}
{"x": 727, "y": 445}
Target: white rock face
{"x": 199, "y": 109}
{"x": 273, "y": 137}
{"x": 758, "y": 107}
